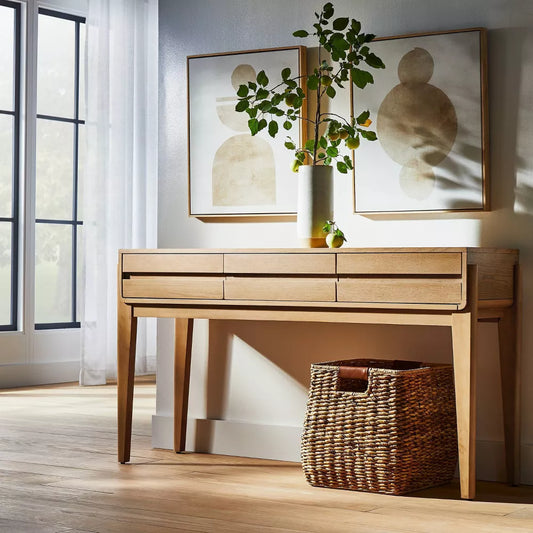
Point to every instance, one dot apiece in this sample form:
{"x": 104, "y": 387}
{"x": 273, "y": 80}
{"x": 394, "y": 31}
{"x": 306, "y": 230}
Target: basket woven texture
{"x": 397, "y": 436}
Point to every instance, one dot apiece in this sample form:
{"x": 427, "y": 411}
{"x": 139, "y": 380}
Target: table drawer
{"x": 280, "y": 289}
{"x": 425, "y": 263}
{"x": 173, "y": 263}
{"x": 189, "y": 287}
{"x": 279, "y": 263}
{"x": 412, "y": 291}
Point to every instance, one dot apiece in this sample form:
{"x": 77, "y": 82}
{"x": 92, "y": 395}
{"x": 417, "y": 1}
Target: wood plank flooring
{"x": 59, "y": 474}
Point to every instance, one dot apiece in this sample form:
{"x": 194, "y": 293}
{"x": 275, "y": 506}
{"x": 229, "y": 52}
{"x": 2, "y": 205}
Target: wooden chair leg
{"x": 509, "y": 330}
{"x": 126, "y": 344}
{"x": 464, "y": 329}
{"x": 182, "y": 368}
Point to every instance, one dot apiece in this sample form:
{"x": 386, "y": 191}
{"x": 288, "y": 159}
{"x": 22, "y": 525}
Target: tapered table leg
{"x": 509, "y": 330}
{"x": 126, "y": 341}
{"x": 182, "y": 368}
{"x": 464, "y": 328}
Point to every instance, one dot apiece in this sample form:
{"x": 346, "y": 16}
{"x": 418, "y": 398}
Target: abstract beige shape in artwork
{"x": 244, "y": 170}
{"x": 416, "y": 124}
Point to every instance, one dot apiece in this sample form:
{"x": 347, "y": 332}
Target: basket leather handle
{"x": 354, "y": 372}
{"x": 361, "y": 372}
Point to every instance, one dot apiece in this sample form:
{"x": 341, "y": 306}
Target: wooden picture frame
{"x": 231, "y": 173}
{"x": 430, "y": 111}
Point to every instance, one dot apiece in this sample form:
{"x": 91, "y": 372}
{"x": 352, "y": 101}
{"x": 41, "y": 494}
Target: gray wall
{"x": 256, "y": 374}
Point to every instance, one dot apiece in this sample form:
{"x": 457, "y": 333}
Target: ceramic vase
{"x": 315, "y": 204}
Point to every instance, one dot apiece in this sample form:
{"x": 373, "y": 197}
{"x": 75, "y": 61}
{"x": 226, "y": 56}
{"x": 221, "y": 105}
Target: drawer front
{"x": 173, "y": 263}
{"x": 280, "y": 289}
{"x": 189, "y": 287}
{"x": 412, "y": 291}
{"x": 279, "y": 263}
{"x": 425, "y": 263}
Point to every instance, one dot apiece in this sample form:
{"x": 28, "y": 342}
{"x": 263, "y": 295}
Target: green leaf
{"x": 252, "y": 112}
{"x": 356, "y": 26}
{"x": 276, "y": 99}
{"x": 262, "y": 79}
{"x": 361, "y": 78}
{"x": 285, "y": 73}
{"x": 243, "y": 91}
{"x": 332, "y": 151}
{"x": 363, "y": 117}
{"x": 253, "y": 125}
{"x": 340, "y": 44}
{"x": 290, "y": 145}
{"x": 300, "y": 156}
{"x": 330, "y": 91}
{"x": 242, "y": 105}
{"x": 265, "y": 106}
{"x": 340, "y": 23}
{"x": 310, "y": 145}
{"x": 366, "y": 37}
{"x": 287, "y": 124}
{"x": 300, "y": 33}
{"x": 321, "y": 155}
{"x": 328, "y": 10}
{"x": 368, "y": 135}
{"x": 327, "y": 227}
{"x": 327, "y": 161}
{"x": 312, "y": 82}
{"x": 261, "y": 94}
{"x": 323, "y": 142}
{"x": 273, "y": 128}
{"x": 341, "y": 167}
{"x": 262, "y": 124}
{"x": 252, "y": 85}
{"x": 374, "y": 61}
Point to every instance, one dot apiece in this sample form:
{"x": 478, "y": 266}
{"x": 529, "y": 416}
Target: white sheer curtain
{"x": 120, "y": 185}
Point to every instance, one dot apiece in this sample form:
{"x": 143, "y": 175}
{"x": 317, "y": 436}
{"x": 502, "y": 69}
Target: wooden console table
{"x": 453, "y": 287}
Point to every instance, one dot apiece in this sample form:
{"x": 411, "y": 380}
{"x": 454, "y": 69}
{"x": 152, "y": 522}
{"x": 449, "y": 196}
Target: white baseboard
{"x": 283, "y": 443}
{"x": 27, "y": 375}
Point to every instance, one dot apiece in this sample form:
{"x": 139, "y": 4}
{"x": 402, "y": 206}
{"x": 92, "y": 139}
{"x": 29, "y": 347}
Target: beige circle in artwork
{"x": 241, "y": 75}
{"x": 416, "y": 123}
{"x": 226, "y": 113}
{"x": 416, "y": 66}
{"x": 417, "y": 180}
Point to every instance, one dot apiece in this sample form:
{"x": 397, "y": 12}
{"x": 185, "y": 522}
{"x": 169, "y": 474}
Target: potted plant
{"x": 279, "y": 107}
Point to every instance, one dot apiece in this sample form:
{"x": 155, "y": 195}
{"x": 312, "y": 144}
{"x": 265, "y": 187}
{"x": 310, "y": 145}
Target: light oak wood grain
{"x": 412, "y": 291}
{"x": 173, "y": 263}
{"x": 192, "y": 287}
{"x": 280, "y": 289}
{"x": 445, "y": 263}
{"x": 58, "y": 474}
{"x": 279, "y": 263}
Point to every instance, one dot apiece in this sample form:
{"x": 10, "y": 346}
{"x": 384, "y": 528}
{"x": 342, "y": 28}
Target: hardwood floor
{"x": 59, "y": 473}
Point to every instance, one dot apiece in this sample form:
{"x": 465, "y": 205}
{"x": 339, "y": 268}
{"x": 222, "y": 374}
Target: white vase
{"x": 315, "y": 204}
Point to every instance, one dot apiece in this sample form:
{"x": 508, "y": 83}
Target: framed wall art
{"x": 429, "y": 105}
{"x": 232, "y": 173}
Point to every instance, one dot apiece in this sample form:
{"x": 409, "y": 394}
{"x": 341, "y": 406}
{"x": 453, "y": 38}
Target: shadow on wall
{"x": 292, "y": 347}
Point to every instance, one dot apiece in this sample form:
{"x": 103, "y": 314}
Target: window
{"x": 10, "y": 45}
{"x": 50, "y": 138}
{"x": 58, "y": 133}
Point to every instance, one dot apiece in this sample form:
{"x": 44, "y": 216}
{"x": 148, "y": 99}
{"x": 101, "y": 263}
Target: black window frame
{"x": 76, "y": 122}
{"x": 15, "y": 174}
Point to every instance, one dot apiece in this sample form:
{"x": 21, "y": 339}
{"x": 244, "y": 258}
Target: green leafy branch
{"x": 280, "y": 106}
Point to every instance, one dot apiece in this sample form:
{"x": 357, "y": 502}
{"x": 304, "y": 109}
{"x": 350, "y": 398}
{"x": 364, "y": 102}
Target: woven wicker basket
{"x": 380, "y": 426}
